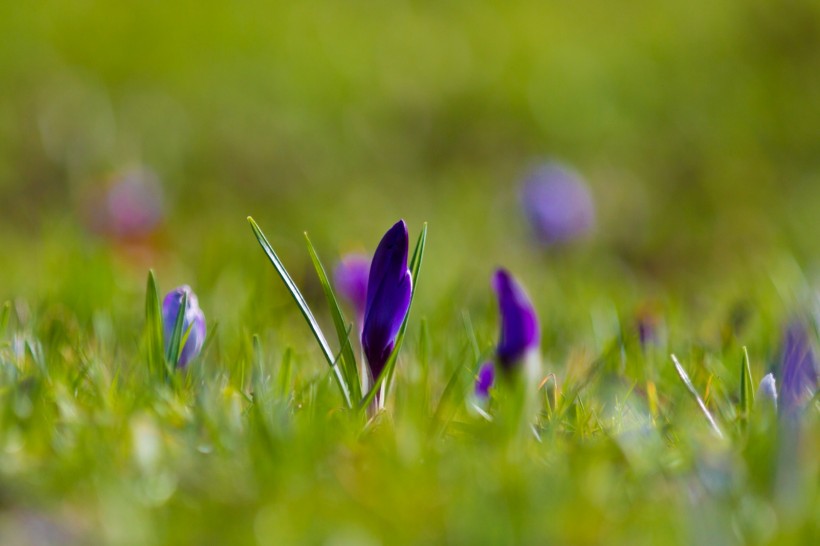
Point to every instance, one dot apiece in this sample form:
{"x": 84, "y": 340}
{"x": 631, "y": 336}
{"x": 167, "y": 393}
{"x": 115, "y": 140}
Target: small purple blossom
{"x": 350, "y": 278}
{"x": 557, "y": 204}
{"x": 484, "y": 380}
{"x": 519, "y": 323}
{"x": 389, "y": 288}
{"x": 194, "y": 319}
{"x": 798, "y": 370}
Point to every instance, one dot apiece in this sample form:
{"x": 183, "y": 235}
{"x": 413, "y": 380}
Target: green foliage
{"x": 304, "y": 309}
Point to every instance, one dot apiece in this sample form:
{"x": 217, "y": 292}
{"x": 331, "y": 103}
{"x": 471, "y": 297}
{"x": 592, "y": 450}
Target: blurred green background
{"x": 695, "y": 124}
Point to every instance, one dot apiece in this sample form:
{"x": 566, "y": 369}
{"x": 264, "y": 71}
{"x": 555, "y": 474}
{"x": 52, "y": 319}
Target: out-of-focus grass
{"x": 693, "y": 124}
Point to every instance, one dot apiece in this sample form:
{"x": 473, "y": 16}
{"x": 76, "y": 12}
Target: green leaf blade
{"x": 301, "y": 303}
{"x": 346, "y": 356}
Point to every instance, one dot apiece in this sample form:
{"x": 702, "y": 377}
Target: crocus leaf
{"x": 347, "y": 358}
{"x": 387, "y": 372}
{"x": 304, "y": 309}
{"x": 746, "y": 385}
{"x": 153, "y": 328}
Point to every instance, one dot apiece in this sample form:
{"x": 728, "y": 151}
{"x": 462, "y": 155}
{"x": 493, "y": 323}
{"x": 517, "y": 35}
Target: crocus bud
{"x": 557, "y": 204}
{"x": 350, "y": 278}
{"x": 767, "y": 392}
{"x": 389, "y": 287}
{"x": 798, "y": 370}
{"x": 519, "y": 324}
{"x": 194, "y": 319}
{"x": 484, "y": 380}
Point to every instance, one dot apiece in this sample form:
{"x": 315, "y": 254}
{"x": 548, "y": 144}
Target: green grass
{"x": 255, "y": 444}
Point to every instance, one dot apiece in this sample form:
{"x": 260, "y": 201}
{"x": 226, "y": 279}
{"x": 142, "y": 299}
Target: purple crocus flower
{"x": 798, "y": 369}
{"x": 519, "y": 330}
{"x": 519, "y": 324}
{"x": 194, "y": 319}
{"x": 557, "y": 204}
{"x": 350, "y": 278}
{"x": 484, "y": 380}
{"x": 389, "y": 287}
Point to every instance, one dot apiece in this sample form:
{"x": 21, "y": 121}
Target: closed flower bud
{"x": 389, "y": 287}
{"x": 519, "y": 324}
{"x": 193, "y": 320}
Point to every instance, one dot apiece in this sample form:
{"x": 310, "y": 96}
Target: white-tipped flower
{"x": 767, "y": 391}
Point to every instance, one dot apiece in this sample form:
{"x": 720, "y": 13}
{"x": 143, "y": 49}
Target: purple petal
{"x": 798, "y": 368}
{"x": 389, "y": 287}
{"x": 557, "y": 204}
{"x": 484, "y": 380}
{"x": 519, "y": 324}
{"x": 350, "y": 278}
{"x": 194, "y": 319}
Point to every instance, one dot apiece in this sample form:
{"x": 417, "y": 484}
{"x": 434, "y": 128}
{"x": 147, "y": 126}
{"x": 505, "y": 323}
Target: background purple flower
{"x": 798, "y": 369}
{"x": 389, "y": 288}
{"x": 519, "y": 323}
{"x": 129, "y": 207}
{"x": 193, "y": 316}
{"x": 557, "y": 203}
{"x": 350, "y": 278}
{"x": 484, "y": 380}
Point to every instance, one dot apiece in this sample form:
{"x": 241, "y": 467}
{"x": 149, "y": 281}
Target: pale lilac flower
{"x": 194, "y": 319}
{"x": 558, "y": 204}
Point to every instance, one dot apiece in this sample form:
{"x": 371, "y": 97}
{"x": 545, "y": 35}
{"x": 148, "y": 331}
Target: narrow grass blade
{"x": 387, "y": 372}
{"x": 303, "y": 308}
{"x": 688, "y": 382}
{"x": 285, "y": 374}
{"x": 468, "y": 326}
{"x": 153, "y": 328}
{"x": 176, "y": 344}
{"x": 439, "y": 422}
{"x": 747, "y": 396}
{"x": 343, "y": 328}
